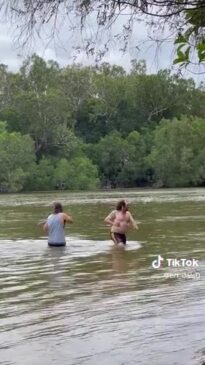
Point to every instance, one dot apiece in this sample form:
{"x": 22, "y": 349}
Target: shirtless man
{"x": 120, "y": 221}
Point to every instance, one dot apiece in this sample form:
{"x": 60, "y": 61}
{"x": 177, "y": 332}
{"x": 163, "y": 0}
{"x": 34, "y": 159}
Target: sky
{"x": 61, "y": 49}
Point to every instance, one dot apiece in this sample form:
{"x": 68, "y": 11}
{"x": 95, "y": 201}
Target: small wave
{"x": 76, "y": 247}
{"x": 133, "y": 196}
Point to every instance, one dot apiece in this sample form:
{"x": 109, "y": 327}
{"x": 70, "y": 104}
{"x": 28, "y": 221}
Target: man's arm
{"x": 67, "y": 218}
{"x": 45, "y": 227}
{"x": 42, "y": 222}
{"x": 133, "y": 222}
{"x": 110, "y": 218}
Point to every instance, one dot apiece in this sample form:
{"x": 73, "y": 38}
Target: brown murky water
{"x": 90, "y": 304}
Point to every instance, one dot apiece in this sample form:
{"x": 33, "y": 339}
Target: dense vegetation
{"x": 89, "y": 127}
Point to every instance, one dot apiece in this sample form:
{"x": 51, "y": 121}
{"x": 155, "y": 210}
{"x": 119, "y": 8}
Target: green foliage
{"x": 89, "y": 127}
{"x": 16, "y": 154}
{"x": 178, "y": 152}
{"x": 3, "y": 127}
{"x": 192, "y": 39}
{"x": 41, "y": 176}
{"x": 78, "y": 173}
{"x": 120, "y": 161}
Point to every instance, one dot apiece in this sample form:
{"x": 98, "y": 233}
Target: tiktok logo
{"x": 157, "y": 263}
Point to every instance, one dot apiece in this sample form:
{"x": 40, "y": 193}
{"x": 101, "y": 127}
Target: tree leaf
{"x": 180, "y": 39}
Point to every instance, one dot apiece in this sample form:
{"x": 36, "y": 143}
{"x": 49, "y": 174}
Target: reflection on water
{"x": 89, "y": 303}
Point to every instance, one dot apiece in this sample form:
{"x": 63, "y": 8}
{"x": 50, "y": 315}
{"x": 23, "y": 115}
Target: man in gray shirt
{"x": 55, "y": 225}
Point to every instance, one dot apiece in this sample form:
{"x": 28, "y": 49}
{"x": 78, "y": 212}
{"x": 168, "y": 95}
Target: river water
{"x": 90, "y": 304}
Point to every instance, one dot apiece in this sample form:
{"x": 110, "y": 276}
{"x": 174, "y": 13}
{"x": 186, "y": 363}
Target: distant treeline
{"x": 99, "y": 127}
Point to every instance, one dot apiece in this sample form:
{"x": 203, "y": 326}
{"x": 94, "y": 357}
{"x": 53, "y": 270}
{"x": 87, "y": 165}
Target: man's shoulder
{"x": 112, "y": 214}
{"x": 50, "y": 216}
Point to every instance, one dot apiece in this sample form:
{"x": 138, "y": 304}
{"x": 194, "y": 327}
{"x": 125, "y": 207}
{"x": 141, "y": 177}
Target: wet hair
{"x": 121, "y": 204}
{"x": 58, "y": 208}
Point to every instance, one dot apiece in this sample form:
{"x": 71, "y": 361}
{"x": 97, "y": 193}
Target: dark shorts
{"x": 119, "y": 237}
{"x": 62, "y": 244}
